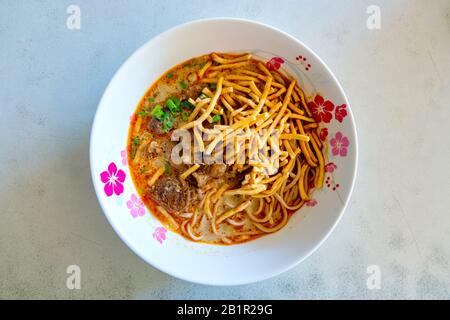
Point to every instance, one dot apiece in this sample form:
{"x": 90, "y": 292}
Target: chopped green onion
{"x": 187, "y": 105}
{"x": 216, "y": 118}
{"x": 158, "y": 112}
{"x": 167, "y": 121}
{"x": 203, "y": 96}
{"x": 184, "y": 116}
{"x": 167, "y": 168}
{"x": 165, "y": 117}
{"x": 145, "y": 112}
{"x": 183, "y": 85}
{"x": 151, "y": 99}
{"x": 134, "y": 143}
{"x": 176, "y": 101}
{"x": 172, "y": 106}
{"x": 170, "y": 75}
{"x": 193, "y": 64}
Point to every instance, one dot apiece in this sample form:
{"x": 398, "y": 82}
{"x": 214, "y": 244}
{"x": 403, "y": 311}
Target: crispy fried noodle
{"x": 254, "y": 155}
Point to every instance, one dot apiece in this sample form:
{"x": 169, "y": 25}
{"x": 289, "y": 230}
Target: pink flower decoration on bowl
{"x": 274, "y": 63}
{"x": 113, "y": 180}
{"x": 136, "y": 206}
{"x": 322, "y": 109}
{"x": 311, "y": 203}
{"x": 330, "y": 167}
{"x": 339, "y": 145}
{"x": 160, "y": 234}
{"x": 123, "y": 154}
{"x": 340, "y": 113}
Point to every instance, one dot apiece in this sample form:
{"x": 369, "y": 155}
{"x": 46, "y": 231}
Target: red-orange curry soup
{"x": 224, "y": 203}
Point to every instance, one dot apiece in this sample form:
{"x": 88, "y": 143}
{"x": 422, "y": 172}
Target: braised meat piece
{"x": 170, "y": 194}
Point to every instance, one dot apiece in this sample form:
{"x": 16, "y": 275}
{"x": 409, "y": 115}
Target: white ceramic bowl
{"x": 210, "y": 264}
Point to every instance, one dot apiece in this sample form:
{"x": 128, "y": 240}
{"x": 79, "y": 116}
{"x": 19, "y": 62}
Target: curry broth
{"x": 179, "y": 82}
{"x": 149, "y": 148}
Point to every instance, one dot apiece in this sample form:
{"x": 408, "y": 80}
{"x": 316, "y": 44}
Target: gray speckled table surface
{"x": 397, "y": 80}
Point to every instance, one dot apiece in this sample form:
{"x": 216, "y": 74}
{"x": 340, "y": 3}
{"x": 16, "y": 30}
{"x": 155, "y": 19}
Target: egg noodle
{"x": 283, "y": 156}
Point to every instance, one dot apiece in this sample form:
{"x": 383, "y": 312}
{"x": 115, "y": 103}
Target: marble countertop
{"x": 397, "y": 80}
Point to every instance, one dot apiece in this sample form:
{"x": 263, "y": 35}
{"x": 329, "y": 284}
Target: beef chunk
{"x": 170, "y": 194}
{"x": 217, "y": 170}
{"x": 155, "y": 126}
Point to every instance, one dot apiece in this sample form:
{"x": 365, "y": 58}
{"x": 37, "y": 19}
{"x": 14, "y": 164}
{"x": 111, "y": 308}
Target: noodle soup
{"x": 251, "y": 157}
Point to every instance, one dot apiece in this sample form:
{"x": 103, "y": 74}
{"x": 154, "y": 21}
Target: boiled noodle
{"x": 225, "y": 102}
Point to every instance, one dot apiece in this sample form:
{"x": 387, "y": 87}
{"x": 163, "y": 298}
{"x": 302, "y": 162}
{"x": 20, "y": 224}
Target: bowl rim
{"x": 275, "y": 272}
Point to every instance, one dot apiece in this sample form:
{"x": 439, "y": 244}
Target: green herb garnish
{"x": 202, "y": 96}
{"x": 158, "y": 112}
{"x": 184, "y": 115}
{"x": 216, "y": 118}
{"x": 167, "y": 122}
{"x": 176, "y": 101}
{"x": 187, "y": 105}
{"x": 170, "y": 75}
{"x": 193, "y": 64}
{"x": 173, "y": 106}
{"x": 183, "y": 85}
{"x": 144, "y": 112}
{"x": 166, "y": 118}
{"x": 167, "y": 168}
{"x": 151, "y": 99}
{"x": 134, "y": 144}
